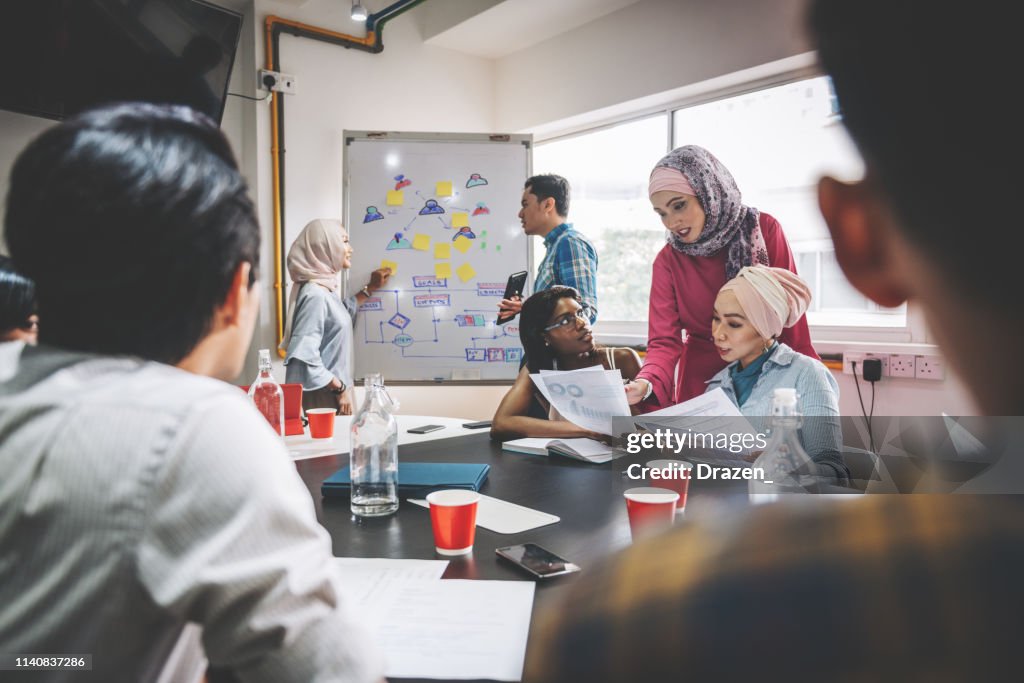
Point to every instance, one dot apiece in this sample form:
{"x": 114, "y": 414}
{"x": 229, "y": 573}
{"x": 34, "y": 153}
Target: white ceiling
{"x": 514, "y": 25}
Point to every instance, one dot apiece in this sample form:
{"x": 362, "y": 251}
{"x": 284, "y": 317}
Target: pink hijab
{"x": 316, "y": 255}
{"x": 771, "y": 298}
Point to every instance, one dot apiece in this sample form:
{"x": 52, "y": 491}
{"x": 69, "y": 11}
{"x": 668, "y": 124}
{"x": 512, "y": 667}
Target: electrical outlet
{"x": 929, "y": 367}
{"x": 848, "y": 359}
{"x": 901, "y": 365}
{"x": 276, "y": 82}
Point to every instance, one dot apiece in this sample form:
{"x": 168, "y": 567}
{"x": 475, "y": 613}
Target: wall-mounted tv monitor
{"x": 64, "y": 56}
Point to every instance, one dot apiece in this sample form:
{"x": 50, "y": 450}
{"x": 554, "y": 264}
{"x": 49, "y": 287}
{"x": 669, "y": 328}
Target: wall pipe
{"x": 274, "y": 26}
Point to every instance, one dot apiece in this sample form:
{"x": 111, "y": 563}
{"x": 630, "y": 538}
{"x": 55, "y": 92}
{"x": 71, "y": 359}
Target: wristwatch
{"x": 366, "y": 290}
{"x": 341, "y": 389}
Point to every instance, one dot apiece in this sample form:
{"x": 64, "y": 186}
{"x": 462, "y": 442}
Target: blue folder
{"x": 417, "y": 479}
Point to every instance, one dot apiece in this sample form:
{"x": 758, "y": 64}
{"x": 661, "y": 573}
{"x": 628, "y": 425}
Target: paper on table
{"x": 712, "y": 413}
{"x": 588, "y": 398}
{"x": 454, "y": 629}
{"x": 503, "y": 517}
{"x": 353, "y": 568}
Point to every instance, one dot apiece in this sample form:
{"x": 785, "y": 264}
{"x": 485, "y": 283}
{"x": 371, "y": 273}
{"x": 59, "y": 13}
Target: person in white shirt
{"x": 139, "y": 492}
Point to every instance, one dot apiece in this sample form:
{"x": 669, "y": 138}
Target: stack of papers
{"x": 711, "y": 413}
{"x": 587, "y": 450}
{"x": 590, "y": 397}
{"x": 453, "y": 629}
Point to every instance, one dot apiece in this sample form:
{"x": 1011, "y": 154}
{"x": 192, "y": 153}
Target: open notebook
{"x": 587, "y": 450}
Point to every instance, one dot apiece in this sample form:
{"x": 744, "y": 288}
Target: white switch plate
{"x": 902, "y": 365}
{"x": 929, "y": 367}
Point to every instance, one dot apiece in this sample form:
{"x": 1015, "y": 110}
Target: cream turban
{"x": 771, "y": 298}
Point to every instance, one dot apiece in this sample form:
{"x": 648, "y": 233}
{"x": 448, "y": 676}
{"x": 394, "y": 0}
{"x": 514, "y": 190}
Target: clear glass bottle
{"x": 374, "y": 458}
{"x": 787, "y": 467}
{"x": 268, "y": 395}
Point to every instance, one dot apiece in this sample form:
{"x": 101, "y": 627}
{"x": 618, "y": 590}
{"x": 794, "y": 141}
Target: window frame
{"x": 913, "y": 331}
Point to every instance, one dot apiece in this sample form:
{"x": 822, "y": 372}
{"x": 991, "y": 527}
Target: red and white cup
{"x": 650, "y": 509}
{"x": 453, "y": 518}
{"x": 672, "y": 474}
{"x": 321, "y": 422}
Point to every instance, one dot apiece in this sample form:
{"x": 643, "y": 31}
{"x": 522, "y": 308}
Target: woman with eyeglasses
{"x": 556, "y": 335}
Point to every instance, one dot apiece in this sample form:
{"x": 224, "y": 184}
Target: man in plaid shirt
{"x": 909, "y": 587}
{"x": 570, "y": 258}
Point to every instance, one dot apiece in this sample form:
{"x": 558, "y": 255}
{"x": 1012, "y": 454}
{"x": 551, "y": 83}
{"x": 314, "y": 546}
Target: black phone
{"x": 425, "y": 428}
{"x": 477, "y": 425}
{"x": 539, "y": 561}
{"x": 514, "y": 287}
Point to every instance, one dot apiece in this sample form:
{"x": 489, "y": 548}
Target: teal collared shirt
{"x": 570, "y": 260}
{"x": 743, "y": 379}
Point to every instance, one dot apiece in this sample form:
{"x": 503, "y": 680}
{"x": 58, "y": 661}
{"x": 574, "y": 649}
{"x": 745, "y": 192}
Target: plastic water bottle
{"x": 374, "y": 459}
{"x": 787, "y": 467}
{"x": 268, "y": 395}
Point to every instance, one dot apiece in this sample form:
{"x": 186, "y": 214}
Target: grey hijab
{"x": 730, "y": 224}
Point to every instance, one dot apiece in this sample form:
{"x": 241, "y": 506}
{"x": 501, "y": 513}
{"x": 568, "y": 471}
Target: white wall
{"x": 647, "y": 48}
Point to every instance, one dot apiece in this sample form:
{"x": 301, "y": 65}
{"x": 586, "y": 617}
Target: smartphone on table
{"x": 425, "y": 429}
{"x": 514, "y": 287}
{"x": 540, "y": 562}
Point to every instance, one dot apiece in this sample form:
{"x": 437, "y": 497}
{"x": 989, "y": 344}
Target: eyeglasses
{"x": 567, "y": 319}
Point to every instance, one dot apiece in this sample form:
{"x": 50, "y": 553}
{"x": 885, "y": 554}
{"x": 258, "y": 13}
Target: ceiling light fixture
{"x": 358, "y": 11}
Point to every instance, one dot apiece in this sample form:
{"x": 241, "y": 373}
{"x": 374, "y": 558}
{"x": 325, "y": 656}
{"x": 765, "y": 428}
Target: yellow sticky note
{"x": 442, "y": 270}
{"x": 466, "y": 272}
{"x": 463, "y": 244}
{"x": 421, "y": 242}
{"x": 395, "y": 198}
{"x": 460, "y": 220}
{"x": 444, "y": 188}
{"x": 442, "y": 250}
{"x": 390, "y": 264}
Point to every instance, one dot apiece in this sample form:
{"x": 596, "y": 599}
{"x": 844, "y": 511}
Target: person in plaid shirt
{"x": 910, "y": 587}
{"x": 569, "y": 259}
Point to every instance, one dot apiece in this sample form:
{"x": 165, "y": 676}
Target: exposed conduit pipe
{"x": 373, "y": 43}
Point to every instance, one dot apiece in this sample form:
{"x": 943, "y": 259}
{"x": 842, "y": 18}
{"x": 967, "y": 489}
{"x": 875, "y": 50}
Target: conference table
{"x": 587, "y": 498}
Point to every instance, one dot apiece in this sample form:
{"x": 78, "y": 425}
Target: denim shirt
{"x": 320, "y": 348}
{"x": 818, "y": 394}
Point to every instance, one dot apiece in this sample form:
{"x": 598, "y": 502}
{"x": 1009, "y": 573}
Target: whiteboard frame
{"x": 350, "y": 136}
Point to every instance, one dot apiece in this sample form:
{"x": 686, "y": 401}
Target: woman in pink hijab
{"x": 750, "y": 314}
{"x": 712, "y": 236}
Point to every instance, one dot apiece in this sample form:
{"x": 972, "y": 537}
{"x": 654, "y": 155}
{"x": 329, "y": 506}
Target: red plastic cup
{"x": 650, "y": 510}
{"x": 321, "y": 422}
{"x": 671, "y": 476}
{"x": 453, "y": 518}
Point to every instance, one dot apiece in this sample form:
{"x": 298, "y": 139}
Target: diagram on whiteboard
{"x": 450, "y": 253}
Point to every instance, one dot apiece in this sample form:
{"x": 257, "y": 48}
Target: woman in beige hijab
{"x": 318, "y": 331}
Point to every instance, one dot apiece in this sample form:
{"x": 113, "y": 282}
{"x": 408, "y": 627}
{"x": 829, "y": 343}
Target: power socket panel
{"x": 902, "y": 365}
{"x": 278, "y": 82}
{"x": 929, "y": 367}
{"x": 849, "y": 358}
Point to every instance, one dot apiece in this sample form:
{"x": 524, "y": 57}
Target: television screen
{"x": 64, "y": 56}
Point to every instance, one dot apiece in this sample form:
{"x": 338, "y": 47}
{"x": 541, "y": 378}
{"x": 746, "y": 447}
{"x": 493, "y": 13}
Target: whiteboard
{"x": 442, "y": 211}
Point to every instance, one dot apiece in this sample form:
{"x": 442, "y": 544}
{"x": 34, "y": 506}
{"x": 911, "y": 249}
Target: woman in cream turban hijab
{"x": 318, "y": 330}
{"x": 750, "y": 312}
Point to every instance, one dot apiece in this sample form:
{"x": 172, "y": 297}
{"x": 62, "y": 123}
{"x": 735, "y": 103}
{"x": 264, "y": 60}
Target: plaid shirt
{"x": 571, "y": 261}
{"x": 907, "y": 588}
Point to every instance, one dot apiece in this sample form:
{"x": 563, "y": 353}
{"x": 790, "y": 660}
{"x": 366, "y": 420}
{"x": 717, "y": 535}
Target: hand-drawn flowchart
{"x": 450, "y": 256}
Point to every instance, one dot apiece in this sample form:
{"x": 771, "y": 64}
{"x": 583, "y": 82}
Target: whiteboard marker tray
{"x": 503, "y": 517}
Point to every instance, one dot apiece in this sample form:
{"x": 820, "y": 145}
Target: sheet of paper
{"x": 444, "y": 188}
{"x": 389, "y": 264}
{"x": 586, "y": 397}
{"x": 503, "y": 517}
{"x": 442, "y": 250}
{"x": 714, "y": 404}
{"x": 711, "y": 413}
{"x": 395, "y": 198}
{"x": 454, "y": 629}
{"x": 421, "y": 242}
{"x": 466, "y": 272}
{"x": 443, "y": 270}
{"x": 460, "y": 219}
{"x": 355, "y": 568}
{"x": 463, "y": 244}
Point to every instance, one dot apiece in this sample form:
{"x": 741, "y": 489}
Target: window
{"x": 776, "y": 141}
{"x": 608, "y": 170}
